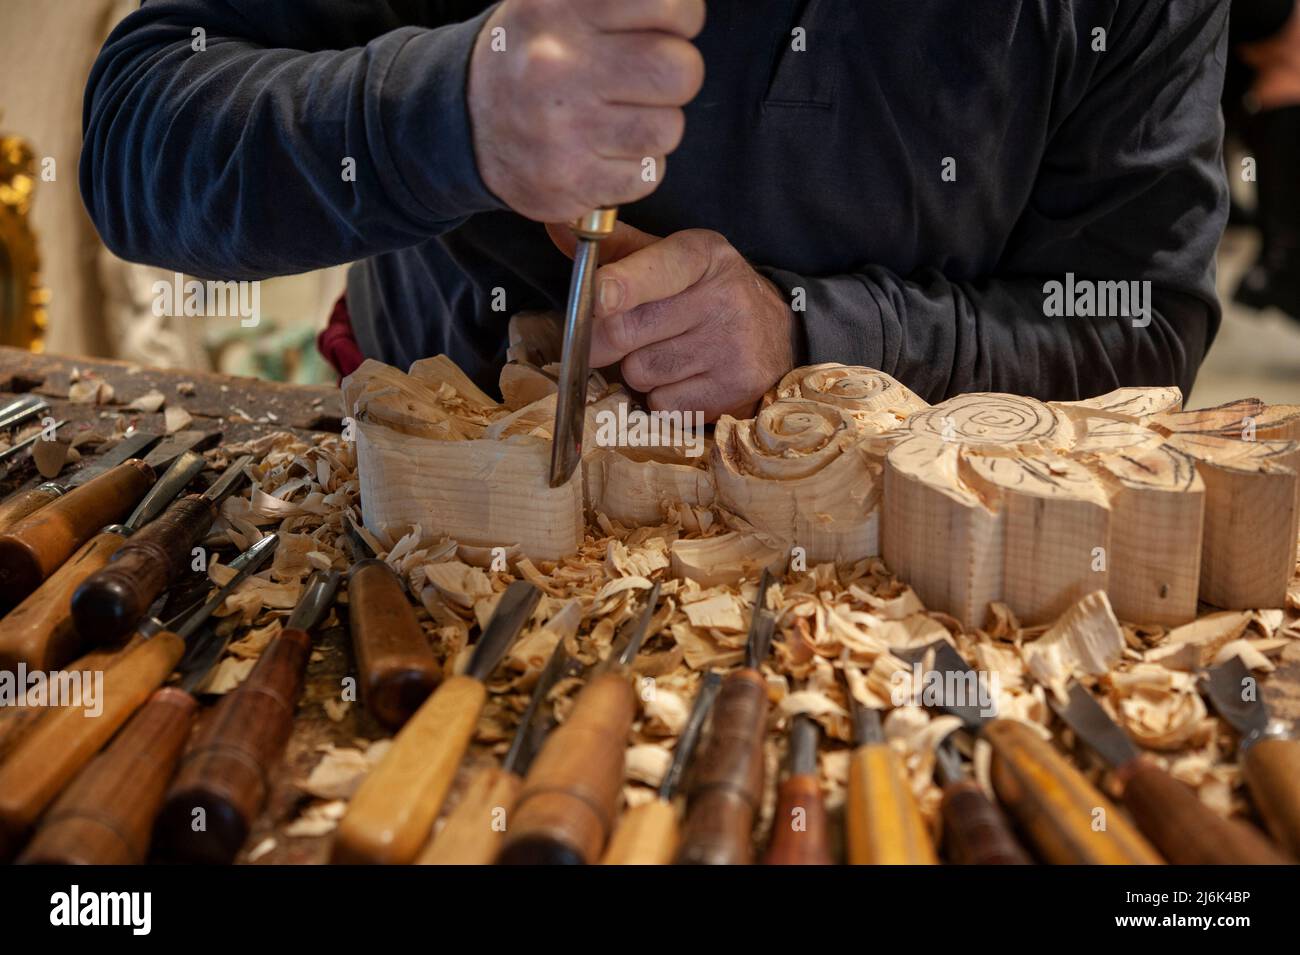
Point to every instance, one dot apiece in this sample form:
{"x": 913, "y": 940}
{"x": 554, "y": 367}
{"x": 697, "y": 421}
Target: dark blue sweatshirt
{"x": 914, "y": 178}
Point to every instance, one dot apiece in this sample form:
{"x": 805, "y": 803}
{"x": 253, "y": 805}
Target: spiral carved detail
{"x": 1005, "y": 424}
{"x": 863, "y": 392}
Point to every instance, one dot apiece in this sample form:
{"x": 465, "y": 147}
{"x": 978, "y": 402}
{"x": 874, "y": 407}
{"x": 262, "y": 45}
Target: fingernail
{"x": 611, "y": 295}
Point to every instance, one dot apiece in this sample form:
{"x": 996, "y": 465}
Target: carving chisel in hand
{"x": 473, "y": 831}
{"x": 106, "y": 815}
{"x": 113, "y": 600}
{"x": 975, "y": 830}
{"x": 227, "y": 771}
{"x": 1269, "y": 756}
{"x": 1169, "y": 813}
{"x": 66, "y": 738}
{"x": 570, "y": 796}
{"x": 727, "y": 782}
{"x": 58, "y": 517}
{"x": 390, "y": 816}
{"x": 39, "y": 631}
{"x": 648, "y": 834}
{"x": 1066, "y": 818}
{"x": 575, "y": 359}
{"x": 395, "y": 665}
{"x": 884, "y": 823}
{"x": 800, "y": 832}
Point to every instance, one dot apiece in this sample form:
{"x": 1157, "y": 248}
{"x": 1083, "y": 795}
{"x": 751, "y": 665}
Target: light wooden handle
{"x": 645, "y": 835}
{"x": 33, "y": 548}
{"x": 106, "y": 815}
{"x": 1066, "y": 818}
{"x": 66, "y": 738}
{"x": 570, "y": 796}
{"x": 474, "y": 830}
{"x": 884, "y": 823}
{"x": 39, "y": 631}
{"x": 392, "y": 812}
{"x": 24, "y": 504}
{"x": 1272, "y": 771}
{"x": 396, "y": 666}
{"x": 800, "y": 830}
{"x": 227, "y": 772}
{"x": 1184, "y": 829}
{"x": 975, "y": 830}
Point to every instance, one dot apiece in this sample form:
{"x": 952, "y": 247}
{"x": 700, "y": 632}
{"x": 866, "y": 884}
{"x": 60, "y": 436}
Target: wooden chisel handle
{"x": 17, "y": 721}
{"x": 226, "y": 772}
{"x": 975, "y": 830}
{"x": 113, "y": 600}
{"x": 728, "y": 779}
{"x": 1068, "y": 821}
{"x": 389, "y": 818}
{"x": 397, "y": 669}
{"x": 34, "y": 548}
{"x": 474, "y": 830}
{"x": 645, "y": 835}
{"x": 39, "y": 631}
{"x": 65, "y": 739}
{"x": 800, "y": 831}
{"x": 1272, "y": 770}
{"x": 884, "y": 823}
{"x": 1184, "y": 829}
{"x": 105, "y": 817}
{"x": 570, "y": 796}
{"x": 23, "y": 504}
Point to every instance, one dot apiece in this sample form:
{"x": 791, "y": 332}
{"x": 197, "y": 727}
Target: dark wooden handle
{"x": 1272, "y": 771}
{"x": 113, "y": 600}
{"x": 39, "y": 631}
{"x": 396, "y": 667}
{"x": 106, "y": 815}
{"x": 800, "y": 833}
{"x": 975, "y": 831}
{"x": 22, "y": 504}
{"x": 1066, "y": 818}
{"x": 34, "y": 548}
{"x": 727, "y": 785}
{"x": 571, "y": 794}
{"x": 226, "y": 773}
{"x": 1184, "y": 829}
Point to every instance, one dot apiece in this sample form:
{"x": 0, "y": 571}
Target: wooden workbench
{"x": 244, "y": 408}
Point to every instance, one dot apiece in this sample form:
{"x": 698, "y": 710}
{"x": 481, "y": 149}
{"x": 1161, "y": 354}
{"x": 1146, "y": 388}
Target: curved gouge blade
{"x": 20, "y": 410}
{"x": 517, "y": 757}
{"x": 512, "y": 612}
{"x": 253, "y": 558}
{"x": 182, "y": 470}
{"x": 690, "y": 735}
{"x": 27, "y": 442}
{"x": 628, "y": 642}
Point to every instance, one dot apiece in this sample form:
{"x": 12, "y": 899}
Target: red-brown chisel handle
{"x": 800, "y": 832}
{"x": 728, "y": 777}
{"x": 25, "y": 503}
{"x": 226, "y": 773}
{"x": 975, "y": 831}
{"x": 106, "y": 815}
{"x": 34, "y": 548}
{"x": 39, "y": 631}
{"x": 395, "y": 665}
{"x": 1184, "y": 829}
{"x": 114, "y": 599}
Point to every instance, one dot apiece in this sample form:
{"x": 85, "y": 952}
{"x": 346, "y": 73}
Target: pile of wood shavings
{"x": 835, "y": 625}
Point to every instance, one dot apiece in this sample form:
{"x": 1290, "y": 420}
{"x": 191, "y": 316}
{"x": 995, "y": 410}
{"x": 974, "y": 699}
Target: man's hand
{"x": 581, "y": 94}
{"x": 688, "y": 320}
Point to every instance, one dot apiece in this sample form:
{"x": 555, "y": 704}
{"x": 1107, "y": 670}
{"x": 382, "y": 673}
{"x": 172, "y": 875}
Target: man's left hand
{"x": 688, "y": 320}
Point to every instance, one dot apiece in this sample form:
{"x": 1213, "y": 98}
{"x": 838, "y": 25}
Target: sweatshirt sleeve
{"x": 1131, "y": 188}
{"x": 237, "y": 139}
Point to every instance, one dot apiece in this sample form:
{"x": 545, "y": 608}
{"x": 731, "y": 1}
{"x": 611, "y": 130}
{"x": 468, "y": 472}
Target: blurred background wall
{"x": 98, "y": 304}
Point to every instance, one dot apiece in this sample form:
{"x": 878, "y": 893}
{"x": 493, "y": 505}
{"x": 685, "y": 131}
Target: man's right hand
{"x": 582, "y": 93}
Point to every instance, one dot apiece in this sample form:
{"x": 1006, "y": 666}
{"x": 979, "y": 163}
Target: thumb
{"x": 624, "y": 240}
